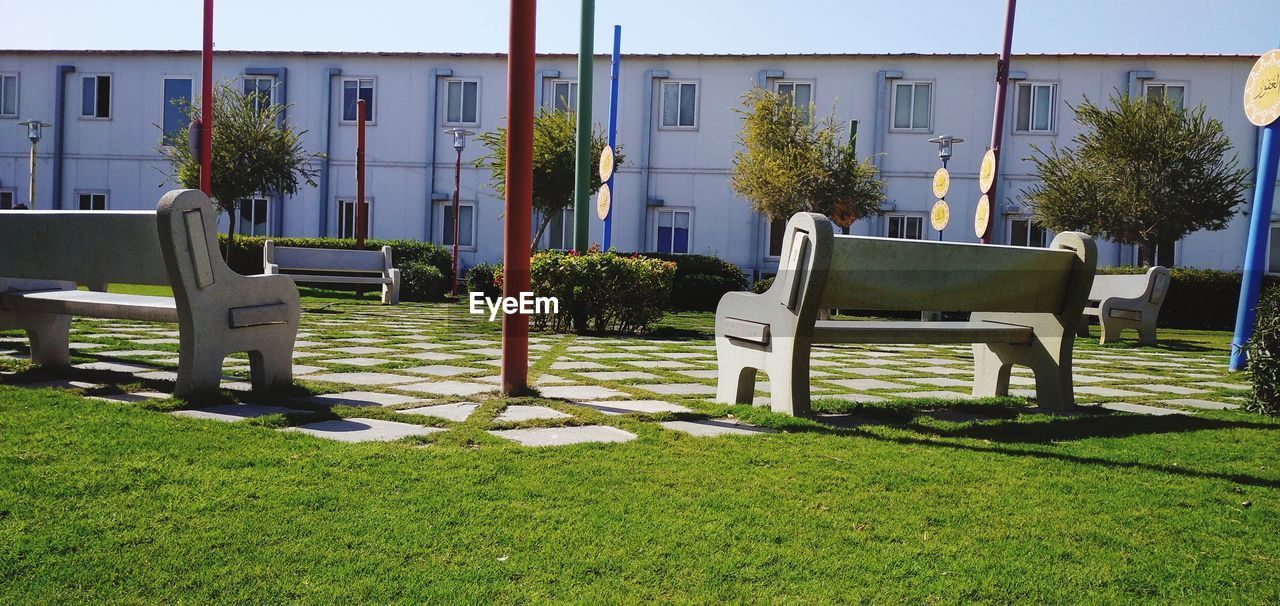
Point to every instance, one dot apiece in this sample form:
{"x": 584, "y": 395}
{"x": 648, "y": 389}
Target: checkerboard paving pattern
{"x": 420, "y": 371}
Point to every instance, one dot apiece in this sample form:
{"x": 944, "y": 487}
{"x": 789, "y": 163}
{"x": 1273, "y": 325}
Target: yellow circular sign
{"x": 606, "y": 163}
{"x": 982, "y": 217}
{"x": 940, "y": 215}
{"x": 603, "y": 200}
{"x": 1262, "y": 90}
{"x": 987, "y": 172}
{"x": 941, "y": 183}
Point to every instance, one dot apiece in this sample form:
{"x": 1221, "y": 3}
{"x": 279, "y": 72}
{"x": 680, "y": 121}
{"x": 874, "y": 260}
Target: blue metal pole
{"x": 1255, "y": 255}
{"x": 613, "y": 129}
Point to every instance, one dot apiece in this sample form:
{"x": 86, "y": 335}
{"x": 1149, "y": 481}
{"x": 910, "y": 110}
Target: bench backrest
{"x": 87, "y": 247}
{"x": 884, "y": 274}
{"x": 1150, "y": 287}
{"x": 325, "y": 259}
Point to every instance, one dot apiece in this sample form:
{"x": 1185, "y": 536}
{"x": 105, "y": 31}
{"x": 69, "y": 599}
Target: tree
{"x": 255, "y": 151}
{"x": 790, "y": 163}
{"x": 554, "y": 150}
{"x": 1142, "y": 172}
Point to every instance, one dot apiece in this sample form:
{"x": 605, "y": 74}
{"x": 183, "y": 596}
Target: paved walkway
{"x": 426, "y": 369}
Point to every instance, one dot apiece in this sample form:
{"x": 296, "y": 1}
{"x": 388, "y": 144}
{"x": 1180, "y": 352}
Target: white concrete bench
{"x": 1121, "y": 302}
{"x": 44, "y": 254}
{"x": 1026, "y": 303}
{"x": 334, "y": 266}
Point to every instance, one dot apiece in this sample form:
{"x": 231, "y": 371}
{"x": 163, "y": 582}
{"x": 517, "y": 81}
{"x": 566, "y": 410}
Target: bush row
{"x": 700, "y": 280}
{"x": 424, "y": 267}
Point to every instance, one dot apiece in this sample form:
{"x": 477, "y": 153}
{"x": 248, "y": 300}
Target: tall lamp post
{"x": 35, "y": 130}
{"x": 459, "y": 143}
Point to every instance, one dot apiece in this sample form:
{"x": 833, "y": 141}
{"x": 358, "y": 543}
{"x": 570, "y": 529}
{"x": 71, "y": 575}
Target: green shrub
{"x": 701, "y": 280}
{"x": 485, "y": 278}
{"x": 422, "y": 282}
{"x": 246, "y": 254}
{"x": 762, "y": 285}
{"x": 1263, "y": 350}
{"x": 1202, "y": 299}
{"x": 601, "y": 291}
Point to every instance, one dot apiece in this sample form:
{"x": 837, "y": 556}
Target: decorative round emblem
{"x": 940, "y": 215}
{"x": 941, "y": 183}
{"x": 603, "y": 200}
{"x": 987, "y": 172}
{"x": 982, "y": 217}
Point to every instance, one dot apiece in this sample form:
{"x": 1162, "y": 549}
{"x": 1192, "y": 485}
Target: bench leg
{"x": 789, "y": 392}
{"x": 50, "y": 335}
{"x": 1110, "y": 331}
{"x": 1082, "y": 330}
{"x": 271, "y": 368}
{"x": 735, "y": 384}
{"x": 390, "y": 294}
{"x": 990, "y": 373}
{"x": 198, "y": 372}
{"x": 1147, "y": 331}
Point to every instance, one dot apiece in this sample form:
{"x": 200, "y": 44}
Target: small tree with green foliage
{"x": 1141, "y": 172}
{"x": 255, "y": 151}
{"x": 790, "y": 163}
{"x": 554, "y": 154}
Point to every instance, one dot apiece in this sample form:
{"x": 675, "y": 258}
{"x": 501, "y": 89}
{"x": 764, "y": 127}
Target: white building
{"x": 677, "y": 129}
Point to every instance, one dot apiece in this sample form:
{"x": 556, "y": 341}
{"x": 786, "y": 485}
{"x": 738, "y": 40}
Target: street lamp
{"x": 35, "y": 130}
{"x": 944, "y": 147}
{"x": 459, "y": 143}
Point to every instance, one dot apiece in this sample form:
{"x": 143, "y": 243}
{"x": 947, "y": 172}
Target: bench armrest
{"x": 271, "y": 269}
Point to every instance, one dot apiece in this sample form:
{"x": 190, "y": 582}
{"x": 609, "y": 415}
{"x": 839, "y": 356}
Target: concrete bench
{"x": 44, "y": 254}
{"x": 334, "y": 266}
{"x": 1120, "y": 302}
{"x": 1026, "y": 303}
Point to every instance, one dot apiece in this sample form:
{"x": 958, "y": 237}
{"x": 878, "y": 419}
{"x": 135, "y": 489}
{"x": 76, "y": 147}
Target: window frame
{"x": 813, "y": 90}
{"x": 337, "y": 217}
{"x": 657, "y": 212}
{"x": 266, "y": 200}
{"x": 768, "y": 239}
{"x": 893, "y": 106}
{"x": 165, "y": 102}
{"x": 271, "y": 90}
{"x": 567, "y": 227}
{"x": 905, "y": 216}
{"x": 697, "y": 104}
{"x": 371, "y": 116}
{"x": 13, "y": 197}
{"x": 1008, "y": 225}
{"x": 1053, "y": 108}
{"x": 462, "y": 108}
{"x": 1183, "y": 84}
{"x": 571, "y": 103}
{"x": 17, "y": 98}
{"x": 446, "y": 205}
{"x": 111, "y": 95}
{"x": 105, "y": 194}
{"x": 1271, "y": 242}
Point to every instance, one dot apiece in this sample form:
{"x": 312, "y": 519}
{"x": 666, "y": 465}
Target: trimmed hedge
{"x": 701, "y": 280}
{"x": 414, "y": 259}
{"x": 1202, "y": 299}
{"x": 1263, "y": 350}
{"x": 485, "y": 278}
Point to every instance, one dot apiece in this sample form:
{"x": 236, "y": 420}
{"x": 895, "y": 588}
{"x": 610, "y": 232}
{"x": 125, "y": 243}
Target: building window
{"x": 93, "y": 201}
{"x": 1035, "y": 108}
{"x": 912, "y": 105}
{"x": 1025, "y": 232}
{"x": 671, "y": 234}
{"x": 347, "y": 217}
{"x": 560, "y": 230}
{"x": 354, "y": 89}
{"x": 95, "y": 99}
{"x": 564, "y": 96}
{"x": 777, "y": 231}
{"x": 907, "y": 227}
{"x": 679, "y": 104}
{"x": 6, "y": 199}
{"x": 462, "y": 107}
{"x": 261, "y": 90}
{"x": 254, "y": 217}
{"x": 800, "y": 94}
{"x": 8, "y": 95}
{"x": 177, "y": 97}
{"x": 466, "y": 227}
{"x": 1162, "y": 91}
{"x": 1273, "y": 250}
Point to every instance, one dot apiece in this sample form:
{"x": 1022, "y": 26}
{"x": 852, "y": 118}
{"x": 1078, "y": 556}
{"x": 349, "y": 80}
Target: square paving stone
{"x": 422, "y": 345}
{"x": 518, "y": 413}
{"x": 1205, "y": 404}
{"x": 457, "y": 412}
{"x": 938, "y": 395}
{"x": 1140, "y": 409}
{"x": 680, "y": 389}
{"x": 622, "y": 407}
{"x": 160, "y": 341}
{"x": 940, "y": 382}
{"x": 875, "y": 372}
{"x": 715, "y": 427}
{"x": 366, "y": 362}
{"x": 362, "y": 378}
{"x": 362, "y": 430}
{"x": 577, "y": 365}
{"x": 562, "y": 436}
{"x": 443, "y": 370}
{"x": 62, "y": 384}
{"x": 672, "y": 364}
{"x": 942, "y": 370}
{"x": 139, "y": 353}
{"x": 711, "y": 374}
{"x": 1231, "y": 386}
{"x": 868, "y": 384}
{"x": 448, "y": 388}
{"x": 129, "y": 398}
{"x": 230, "y": 413}
{"x": 1109, "y": 392}
{"x": 120, "y": 367}
{"x": 619, "y": 355}
{"x": 580, "y": 392}
{"x": 298, "y": 369}
{"x": 358, "y": 398}
{"x": 1173, "y": 389}
{"x": 431, "y": 356}
{"x": 360, "y": 351}
{"x": 618, "y": 375}
{"x": 360, "y": 341}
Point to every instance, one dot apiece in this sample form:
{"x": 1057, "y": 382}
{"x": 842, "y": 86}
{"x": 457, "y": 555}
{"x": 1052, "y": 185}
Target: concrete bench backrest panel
{"x": 319, "y": 259}
{"x": 88, "y": 247}
{"x": 909, "y": 275}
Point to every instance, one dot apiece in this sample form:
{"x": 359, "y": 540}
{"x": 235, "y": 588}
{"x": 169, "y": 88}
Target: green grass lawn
{"x": 117, "y": 503}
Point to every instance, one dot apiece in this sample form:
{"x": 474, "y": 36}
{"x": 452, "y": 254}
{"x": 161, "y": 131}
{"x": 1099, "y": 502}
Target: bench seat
{"x": 335, "y": 279}
{"x": 111, "y": 306}
{"x": 891, "y": 333}
{"x": 334, "y": 266}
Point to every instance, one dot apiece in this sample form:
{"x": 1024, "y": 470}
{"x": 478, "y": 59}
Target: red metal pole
{"x": 997, "y": 124}
{"x": 362, "y": 210}
{"x": 206, "y": 103}
{"x": 519, "y": 203}
{"x": 457, "y": 189}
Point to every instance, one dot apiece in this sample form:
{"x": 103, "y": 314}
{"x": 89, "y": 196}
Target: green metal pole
{"x": 583, "y": 168}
